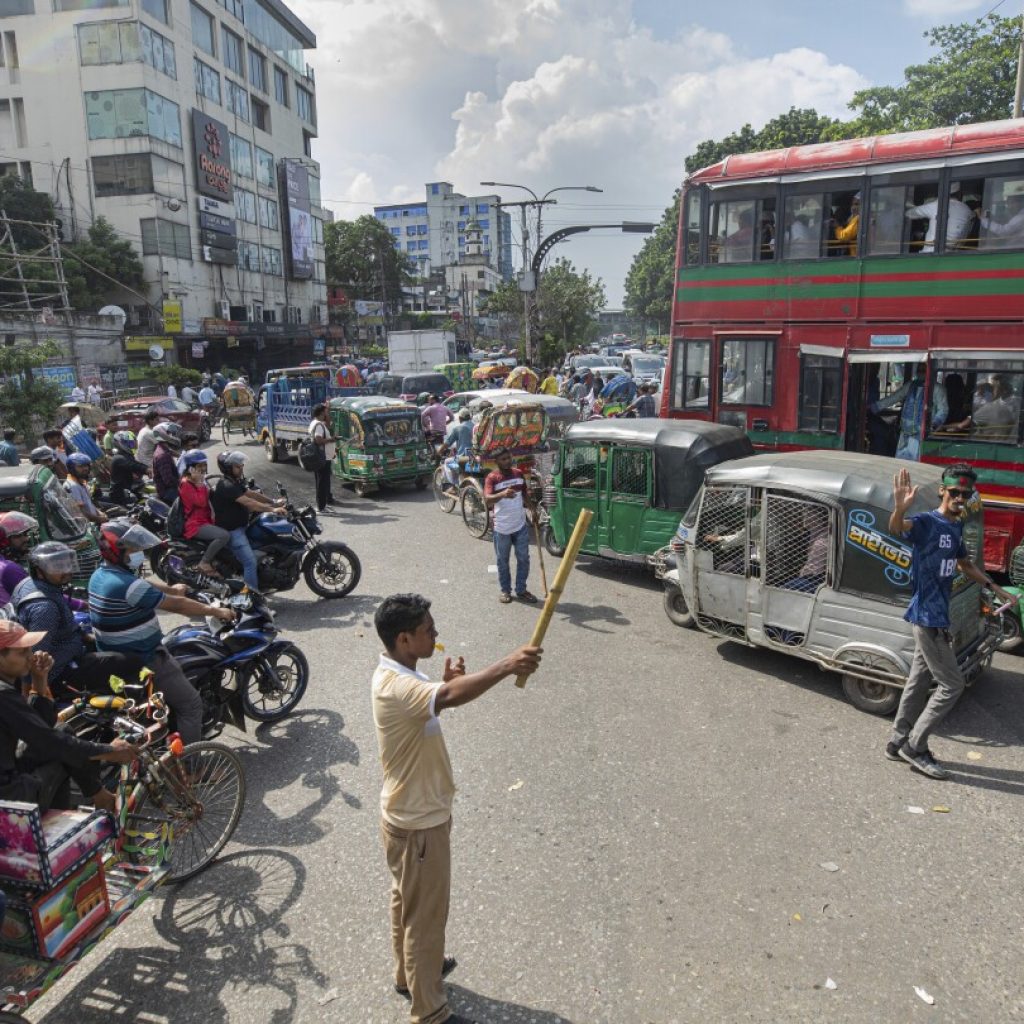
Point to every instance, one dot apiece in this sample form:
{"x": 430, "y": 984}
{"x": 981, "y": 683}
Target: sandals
{"x": 506, "y": 598}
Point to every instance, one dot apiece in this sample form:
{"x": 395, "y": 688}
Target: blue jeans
{"x": 503, "y": 544}
{"x": 243, "y": 552}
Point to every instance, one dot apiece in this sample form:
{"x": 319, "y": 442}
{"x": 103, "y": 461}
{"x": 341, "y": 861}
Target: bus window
{"x": 732, "y": 231}
{"x": 844, "y": 226}
{"x": 746, "y": 371}
{"x": 820, "y": 384}
{"x": 801, "y": 237}
{"x": 691, "y": 375}
{"x": 890, "y": 232}
{"x": 692, "y": 227}
{"x": 1001, "y": 215}
{"x": 984, "y": 400}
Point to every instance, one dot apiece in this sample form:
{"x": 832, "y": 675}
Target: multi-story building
{"x": 188, "y": 124}
{"x": 433, "y": 233}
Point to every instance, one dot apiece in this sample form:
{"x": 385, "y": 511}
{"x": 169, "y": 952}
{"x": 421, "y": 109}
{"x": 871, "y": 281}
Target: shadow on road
{"x": 228, "y": 934}
{"x": 583, "y": 615}
{"x": 297, "y": 616}
{"x": 628, "y": 573}
{"x": 491, "y": 1011}
{"x": 299, "y": 751}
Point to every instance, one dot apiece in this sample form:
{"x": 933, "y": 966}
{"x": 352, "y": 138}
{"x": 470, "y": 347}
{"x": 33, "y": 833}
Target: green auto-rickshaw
{"x": 637, "y": 477}
{"x": 40, "y": 494}
{"x": 380, "y": 442}
{"x": 460, "y": 374}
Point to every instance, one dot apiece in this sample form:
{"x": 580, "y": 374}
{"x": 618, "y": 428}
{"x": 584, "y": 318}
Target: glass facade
{"x": 241, "y": 156}
{"x": 273, "y": 35}
{"x": 123, "y": 42}
{"x": 127, "y": 113}
{"x": 207, "y": 80}
{"x": 202, "y": 30}
{"x": 265, "y": 168}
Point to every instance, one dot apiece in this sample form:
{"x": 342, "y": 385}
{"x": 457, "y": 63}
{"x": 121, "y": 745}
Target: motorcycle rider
{"x": 146, "y": 442}
{"x": 232, "y": 503}
{"x": 54, "y": 440}
{"x": 123, "y": 607}
{"x": 165, "y": 471}
{"x": 42, "y": 456}
{"x": 125, "y": 470}
{"x": 77, "y": 486}
{"x": 198, "y": 512}
{"x": 41, "y": 606}
{"x": 435, "y": 419}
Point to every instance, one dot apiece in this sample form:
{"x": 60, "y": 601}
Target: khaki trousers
{"x": 421, "y": 871}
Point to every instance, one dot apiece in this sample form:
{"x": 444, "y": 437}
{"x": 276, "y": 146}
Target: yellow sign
{"x": 143, "y": 344}
{"x": 172, "y": 317}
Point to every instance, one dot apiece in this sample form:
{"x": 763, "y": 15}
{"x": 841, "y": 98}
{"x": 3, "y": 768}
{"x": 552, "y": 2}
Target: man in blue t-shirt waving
{"x": 939, "y": 554}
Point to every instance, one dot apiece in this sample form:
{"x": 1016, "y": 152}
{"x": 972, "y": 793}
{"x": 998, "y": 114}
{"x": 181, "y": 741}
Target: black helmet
{"x": 169, "y": 435}
{"x": 228, "y": 459}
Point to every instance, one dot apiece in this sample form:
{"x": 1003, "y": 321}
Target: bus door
{"x": 878, "y": 384}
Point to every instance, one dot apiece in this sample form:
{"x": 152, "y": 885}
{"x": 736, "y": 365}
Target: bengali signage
{"x": 172, "y": 316}
{"x": 212, "y": 156}
{"x": 890, "y": 341}
{"x": 62, "y": 376}
{"x": 198, "y": 349}
{"x": 143, "y": 343}
{"x": 299, "y": 220}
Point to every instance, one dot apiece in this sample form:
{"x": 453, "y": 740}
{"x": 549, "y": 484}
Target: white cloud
{"x": 939, "y": 8}
{"x": 546, "y": 92}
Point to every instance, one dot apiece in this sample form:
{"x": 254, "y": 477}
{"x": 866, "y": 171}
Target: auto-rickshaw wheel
{"x": 474, "y": 509}
{"x": 1012, "y": 638}
{"x": 874, "y": 698}
{"x": 676, "y": 608}
{"x": 362, "y": 490}
{"x": 446, "y": 499}
{"x": 551, "y": 546}
{"x": 271, "y": 450}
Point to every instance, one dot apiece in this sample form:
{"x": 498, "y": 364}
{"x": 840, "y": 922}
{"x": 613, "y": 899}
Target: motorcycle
{"x": 286, "y": 547}
{"x": 240, "y": 669}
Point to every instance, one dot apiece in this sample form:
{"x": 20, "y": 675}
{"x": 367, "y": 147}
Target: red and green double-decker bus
{"x": 865, "y": 295}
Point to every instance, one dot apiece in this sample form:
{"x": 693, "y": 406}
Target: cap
{"x": 14, "y": 634}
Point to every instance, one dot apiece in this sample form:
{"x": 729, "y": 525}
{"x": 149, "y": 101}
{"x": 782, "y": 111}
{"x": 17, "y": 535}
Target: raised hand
{"x": 902, "y": 491}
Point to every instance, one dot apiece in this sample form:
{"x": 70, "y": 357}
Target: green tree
{"x": 92, "y": 265}
{"x": 970, "y": 79}
{"x": 567, "y": 304}
{"x": 179, "y": 376}
{"x": 28, "y": 402}
{"x": 356, "y": 253}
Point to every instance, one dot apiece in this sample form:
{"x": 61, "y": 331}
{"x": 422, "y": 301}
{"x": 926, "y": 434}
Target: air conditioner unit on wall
{"x": 223, "y": 308}
{"x": 250, "y": 313}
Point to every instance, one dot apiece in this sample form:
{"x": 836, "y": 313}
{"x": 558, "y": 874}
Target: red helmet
{"x": 13, "y": 524}
{"x": 117, "y": 536}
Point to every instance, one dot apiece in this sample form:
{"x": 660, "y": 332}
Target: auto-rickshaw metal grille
{"x": 796, "y": 544}
{"x": 1017, "y": 566}
{"x": 722, "y": 530}
{"x": 629, "y": 472}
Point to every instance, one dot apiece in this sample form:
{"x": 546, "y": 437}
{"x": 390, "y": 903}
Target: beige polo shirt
{"x": 418, "y": 783}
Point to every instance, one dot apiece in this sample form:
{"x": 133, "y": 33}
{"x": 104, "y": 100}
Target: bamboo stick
{"x": 572, "y": 549}
{"x": 540, "y": 554}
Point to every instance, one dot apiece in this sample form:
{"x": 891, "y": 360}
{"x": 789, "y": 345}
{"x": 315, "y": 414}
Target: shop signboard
{"x": 212, "y": 156}
{"x": 299, "y": 220}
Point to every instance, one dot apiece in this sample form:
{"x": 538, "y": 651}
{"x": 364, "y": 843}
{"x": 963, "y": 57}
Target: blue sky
{"x": 564, "y": 92}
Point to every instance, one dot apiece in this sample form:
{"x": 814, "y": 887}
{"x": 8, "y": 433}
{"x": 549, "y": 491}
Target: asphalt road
{"x": 659, "y": 828}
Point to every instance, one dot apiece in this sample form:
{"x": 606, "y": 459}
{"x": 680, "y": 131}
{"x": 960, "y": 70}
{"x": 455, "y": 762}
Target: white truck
{"x": 418, "y": 351}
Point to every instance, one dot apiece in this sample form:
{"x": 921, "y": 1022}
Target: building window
{"x": 241, "y": 155}
{"x": 128, "y": 113}
{"x": 156, "y": 9}
{"x": 271, "y": 260}
{"x": 318, "y": 231}
{"x": 463, "y": 211}
{"x": 691, "y": 375}
{"x": 422, "y": 244}
{"x": 245, "y": 205}
{"x": 235, "y": 7}
{"x": 396, "y": 232}
{"x": 257, "y": 70}
{"x": 237, "y": 100}
{"x": 268, "y": 213}
{"x": 410, "y": 246}
{"x": 122, "y": 42}
{"x": 249, "y": 256}
{"x": 232, "y": 51}
{"x": 207, "y": 80}
{"x": 281, "y": 86}
{"x": 410, "y": 229}
{"x": 127, "y": 175}
{"x": 165, "y": 238}
{"x": 314, "y": 190}
{"x": 157, "y": 51}
{"x": 485, "y": 224}
{"x": 747, "y": 371}
{"x": 260, "y": 115}
{"x": 304, "y": 104}
{"x": 202, "y": 30}
{"x": 482, "y": 207}
{"x": 265, "y": 167}
{"x": 421, "y": 229}
{"x": 84, "y": 5}
{"x": 307, "y": 144}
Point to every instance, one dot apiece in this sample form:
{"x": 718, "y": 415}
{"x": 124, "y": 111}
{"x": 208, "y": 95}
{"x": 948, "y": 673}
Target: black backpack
{"x": 176, "y": 520}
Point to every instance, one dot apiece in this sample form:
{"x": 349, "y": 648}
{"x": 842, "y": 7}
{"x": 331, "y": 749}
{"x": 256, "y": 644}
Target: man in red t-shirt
{"x": 505, "y": 494}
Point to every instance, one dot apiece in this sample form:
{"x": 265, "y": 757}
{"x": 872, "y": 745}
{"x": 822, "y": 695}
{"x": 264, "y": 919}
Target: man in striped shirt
{"x": 123, "y": 607}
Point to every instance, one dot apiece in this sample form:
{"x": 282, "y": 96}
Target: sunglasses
{"x": 956, "y": 492}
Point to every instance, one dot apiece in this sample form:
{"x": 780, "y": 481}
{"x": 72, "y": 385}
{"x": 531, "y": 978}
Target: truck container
{"x": 419, "y": 351}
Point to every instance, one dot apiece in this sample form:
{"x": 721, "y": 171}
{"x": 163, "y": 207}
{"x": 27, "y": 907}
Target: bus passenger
{"x": 846, "y": 235}
{"x": 998, "y": 419}
{"x": 738, "y": 247}
{"x": 958, "y": 219}
{"x": 912, "y": 396}
{"x": 1008, "y": 234}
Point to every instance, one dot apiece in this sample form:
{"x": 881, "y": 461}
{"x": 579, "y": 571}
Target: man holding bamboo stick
{"x": 416, "y": 800}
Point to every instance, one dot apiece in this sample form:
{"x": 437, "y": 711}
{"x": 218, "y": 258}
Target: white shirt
{"x": 94, "y": 394}
{"x": 188, "y": 395}
{"x": 146, "y": 446}
{"x": 1007, "y": 235}
{"x": 77, "y": 394}
{"x": 317, "y": 428}
{"x": 207, "y": 396}
{"x": 172, "y": 391}
{"x": 957, "y": 221}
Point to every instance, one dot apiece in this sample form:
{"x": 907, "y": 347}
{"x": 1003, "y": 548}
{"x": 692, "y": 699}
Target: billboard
{"x": 212, "y": 156}
{"x": 295, "y": 199}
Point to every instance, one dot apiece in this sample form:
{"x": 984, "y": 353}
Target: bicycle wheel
{"x": 474, "y": 509}
{"x": 270, "y": 696}
{"x": 225, "y": 429}
{"x": 446, "y": 499}
{"x": 201, "y": 794}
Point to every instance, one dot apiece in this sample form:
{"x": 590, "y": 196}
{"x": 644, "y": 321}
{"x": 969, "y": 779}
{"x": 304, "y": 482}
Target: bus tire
{"x": 677, "y": 610}
{"x": 874, "y": 698}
